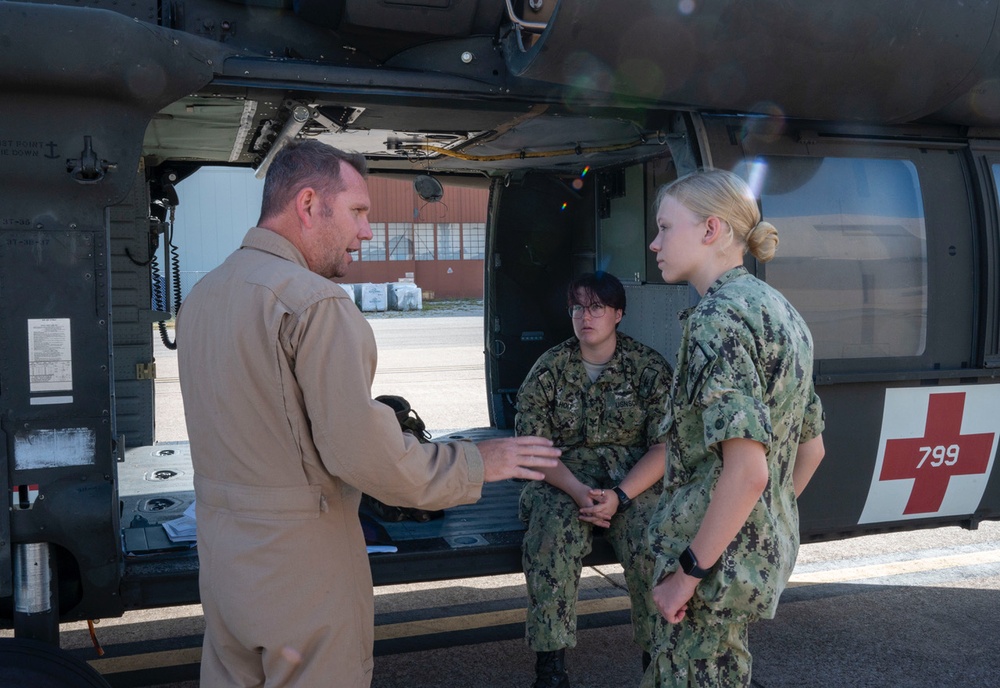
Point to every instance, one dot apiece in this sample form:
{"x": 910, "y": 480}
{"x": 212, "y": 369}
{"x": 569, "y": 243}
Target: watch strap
{"x": 689, "y": 564}
{"x": 624, "y": 501}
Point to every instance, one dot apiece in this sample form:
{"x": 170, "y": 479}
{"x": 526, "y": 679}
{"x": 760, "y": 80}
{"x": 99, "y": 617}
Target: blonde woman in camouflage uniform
{"x": 743, "y": 437}
{"x": 600, "y": 396}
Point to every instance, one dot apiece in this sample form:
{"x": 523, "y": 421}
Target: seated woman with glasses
{"x": 601, "y": 397}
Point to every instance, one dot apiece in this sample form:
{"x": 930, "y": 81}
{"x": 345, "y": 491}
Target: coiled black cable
{"x": 163, "y": 292}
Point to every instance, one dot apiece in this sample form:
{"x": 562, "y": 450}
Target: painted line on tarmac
{"x": 469, "y": 622}
{"x": 613, "y": 604}
{"x": 409, "y": 629}
{"x": 446, "y": 368}
{"x": 896, "y": 568}
{"x": 148, "y": 660}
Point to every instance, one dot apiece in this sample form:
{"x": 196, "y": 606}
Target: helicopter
{"x": 871, "y": 136}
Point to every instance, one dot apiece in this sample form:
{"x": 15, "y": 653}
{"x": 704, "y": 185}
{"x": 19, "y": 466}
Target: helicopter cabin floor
{"x": 156, "y": 485}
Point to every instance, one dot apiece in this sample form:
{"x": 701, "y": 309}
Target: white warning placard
{"x": 50, "y": 355}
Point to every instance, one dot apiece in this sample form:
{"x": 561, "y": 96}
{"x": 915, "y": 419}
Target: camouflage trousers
{"x": 555, "y": 543}
{"x": 702, "y": 651}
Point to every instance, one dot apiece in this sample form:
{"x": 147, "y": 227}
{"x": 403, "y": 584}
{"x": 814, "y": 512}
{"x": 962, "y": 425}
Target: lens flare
{"x": 564, "y": 206}
{"x": 985, "y": 97}
{"x": 756, "y": 174}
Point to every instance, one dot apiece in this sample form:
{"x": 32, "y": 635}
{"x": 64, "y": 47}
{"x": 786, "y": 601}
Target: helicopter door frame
{"x": 986, "y": 157}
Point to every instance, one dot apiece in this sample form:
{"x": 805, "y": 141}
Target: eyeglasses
{"x": 596, "y": 310}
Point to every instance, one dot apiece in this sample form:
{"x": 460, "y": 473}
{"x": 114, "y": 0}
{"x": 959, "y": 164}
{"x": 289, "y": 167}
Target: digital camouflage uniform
{"x": 603, "y": 428}
{"x": 744, "y": 370}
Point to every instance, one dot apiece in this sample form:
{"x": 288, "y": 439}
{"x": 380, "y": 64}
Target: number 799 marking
{"x": 941, "y": 455}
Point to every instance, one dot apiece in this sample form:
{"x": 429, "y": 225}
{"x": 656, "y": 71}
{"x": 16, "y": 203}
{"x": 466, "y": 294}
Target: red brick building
{"x": 441, "y": 244}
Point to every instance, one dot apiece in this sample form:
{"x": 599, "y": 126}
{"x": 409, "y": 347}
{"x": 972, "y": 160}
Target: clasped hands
{"x": 603, "y": 504}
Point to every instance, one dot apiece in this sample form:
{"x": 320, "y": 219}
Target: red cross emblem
{"x": 930, "y": 461}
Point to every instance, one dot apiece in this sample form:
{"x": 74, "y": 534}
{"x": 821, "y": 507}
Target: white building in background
{"x": 217, "y": 207}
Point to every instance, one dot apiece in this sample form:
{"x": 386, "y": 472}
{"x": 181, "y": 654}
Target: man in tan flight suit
{"x": 276, "y": 366}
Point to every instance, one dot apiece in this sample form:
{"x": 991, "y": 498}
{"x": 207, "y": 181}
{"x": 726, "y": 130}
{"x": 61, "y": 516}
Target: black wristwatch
{"x": 689, "y": 564}
{"x": 624, "y": 501}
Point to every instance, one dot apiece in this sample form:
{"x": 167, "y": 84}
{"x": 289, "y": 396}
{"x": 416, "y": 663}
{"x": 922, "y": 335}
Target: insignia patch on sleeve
{"x": 547, "y": 384}
{"x": 647, "y": 382}
{"x": 699, "y": 367}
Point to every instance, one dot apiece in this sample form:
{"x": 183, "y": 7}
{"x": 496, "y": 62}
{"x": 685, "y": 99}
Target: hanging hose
{"x": 93, "y": 637}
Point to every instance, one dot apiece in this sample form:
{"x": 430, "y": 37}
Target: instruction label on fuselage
{"x": 50, "y": 355}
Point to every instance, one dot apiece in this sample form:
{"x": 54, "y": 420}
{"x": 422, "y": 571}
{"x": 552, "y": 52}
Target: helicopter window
{"x": 853, "y": 251}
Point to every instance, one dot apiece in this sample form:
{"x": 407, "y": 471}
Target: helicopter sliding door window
{"x": 853, "y": 251}
{"x": 877, "y": 246}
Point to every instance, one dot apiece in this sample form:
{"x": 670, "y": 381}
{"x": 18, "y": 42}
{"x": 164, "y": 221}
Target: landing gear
{"x": 26, "y": 662}
{"x": 32, "y": 657}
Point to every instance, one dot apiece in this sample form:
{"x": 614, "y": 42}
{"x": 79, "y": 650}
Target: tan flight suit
{"x": 276, "y": 365}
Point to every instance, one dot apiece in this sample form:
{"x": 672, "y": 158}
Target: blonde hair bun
{"x": 763, "y": 241}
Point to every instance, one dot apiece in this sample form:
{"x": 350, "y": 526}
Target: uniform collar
{"x": 724, "y": 279}
{"x": 263, "y": 239}
{"x": 615, "y": 357}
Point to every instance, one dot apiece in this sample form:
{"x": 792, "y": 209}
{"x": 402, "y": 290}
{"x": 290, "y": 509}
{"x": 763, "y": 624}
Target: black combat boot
{"x": 550, "y": 670}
